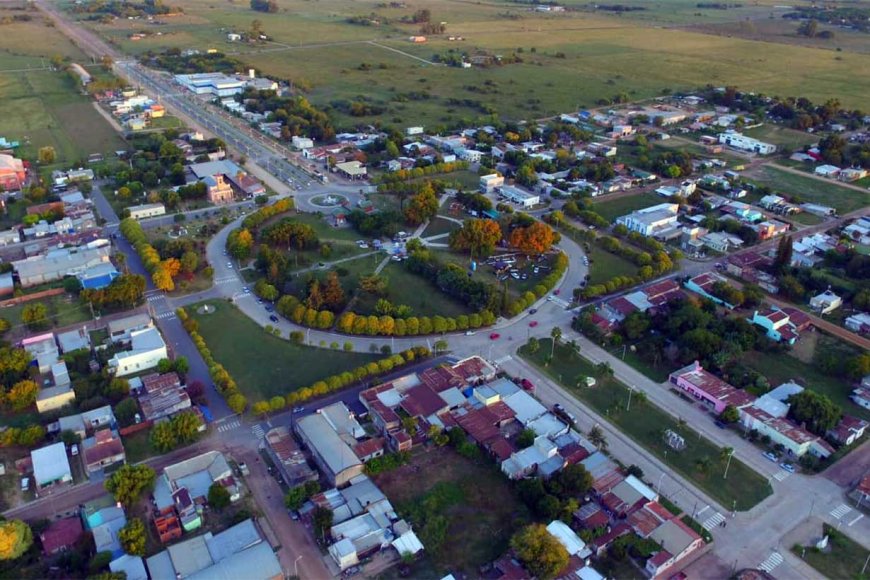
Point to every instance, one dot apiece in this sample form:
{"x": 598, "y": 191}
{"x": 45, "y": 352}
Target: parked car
{"x": 270, "y": 308}
{"x": 533, "y": 311}
{"x": 788, "y": 467}
{"x": 533, "y": 323}
{"x": 494, "y": 336}
{"x": 274, "y": 318}
{"x": 770, "y": 455}
{"x": 528, "y": 385}
{"x": 74, "y": 449}
{"x": 230, "y": 265}
{"x": 298, "y": 409}
{"x": 25, "y": 483}
{"x": 246, "y": 290}
{"x": 470, "y": 333}
{"x": 720, "y": 424}
{"x": 557, "y": 408}
{"x": 243, "y": 468}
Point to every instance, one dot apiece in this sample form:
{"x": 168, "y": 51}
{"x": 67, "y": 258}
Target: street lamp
{"x": 296, "y": 566}
{"x": 727, "y": 465}
{"x": 630, "y": 391}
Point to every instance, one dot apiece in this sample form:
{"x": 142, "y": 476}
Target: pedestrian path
{"x": 713, "y": 521}
{"x": 168, "y": 315}
{"x": 258, "y": 432}
{"x": 772, "y": 561}
{"x": 229, "y": 425}
{"x": 840, "y": 511}
{"x": 781, "y": 475}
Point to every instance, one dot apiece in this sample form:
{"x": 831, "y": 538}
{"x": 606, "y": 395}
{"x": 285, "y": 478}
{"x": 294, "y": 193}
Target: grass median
{"x": 701, "y": 462}
{"x": 843, "y": 558}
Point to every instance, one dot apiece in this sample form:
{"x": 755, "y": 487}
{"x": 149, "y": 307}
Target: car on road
{"x": 298, "y": 409}
{"x": 494, "y": 336}
{"x": 274, "y": 318}
{"x": 788, "y": 467}
{"x": 556, "y": 292}
{"x": 771, "y": 456}
{"x": 533, "y": 323}
{"x": 557, "y": 408}
{"x": 270, "y": 308}
{"x": 230, "y": 265}
{"x": 243, "y": 468}
{"x": 470, "y": 333}
{"x": 533, "y": 311}
{"x": 527, "y": 385}
{"x": 74, "y": 449}
{"x": 246, "y": 290}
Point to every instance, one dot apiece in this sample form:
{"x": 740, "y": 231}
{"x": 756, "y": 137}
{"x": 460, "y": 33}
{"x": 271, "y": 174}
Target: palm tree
{"x": 556, "y": 334}
{"x": 725, "y": 453}
{"x": 596, "y": 436}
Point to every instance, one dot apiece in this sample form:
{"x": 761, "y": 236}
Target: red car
{"x": 533, "y": 323}
{"x": 494, "y": 336}
{"x": 556, "y": 292}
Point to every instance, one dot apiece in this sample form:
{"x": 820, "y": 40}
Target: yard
{"x": 263, "y": 365}
{"x": 610, "y": 209}
{"x": 700, "y": 461}
{"x": 479, "y": 509}
{"x": 843, "y": 558}
{"x": 63, "y": 310}
{"x": 811, "y": 190}
{"x": 438, "y": 226}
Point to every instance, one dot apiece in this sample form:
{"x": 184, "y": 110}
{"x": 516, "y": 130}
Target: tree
{"x": 117, "y": 389}
{"x": 533, "y": 345}
{"x": 35, "y": 316}
{"x": 555, "y": 334}
{"x": 422, "y": 206}
{"x": 163, "y": 279}
{"x": 809, "y": 28}
{"x": 477, "y": 236}
{"x": 534, "y": 239}
{"x": 541, "y": 553}
{"x": 189, "y": 262}
{"x": 729, "y": 415}
{"x": 333, "y": 293}
{"x": 575, "y": 480}
{"x": 441, "y": 345}
{"x": 218, "y": 496}
{"x": 125, "y": 411}
{"x": 129, "y": 483}
{"x": 597, "y": 438}
{"x": 132, "y": 537}
{"x": 322, "y": 519}
{"x": 817, "y": 411}
{"x": 46, "y": 155}
{"x": 783, "y": 254}
{"x": 22, "y": 395}
{"x": 15, "y": 539}
{"x": 526, "y": 438}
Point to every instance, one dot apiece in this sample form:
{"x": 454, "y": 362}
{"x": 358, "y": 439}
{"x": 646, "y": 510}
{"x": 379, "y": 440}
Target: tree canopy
{"x": 539, "y": 551}
{"x": 15, "y": 539}
{"x": 129, "y": 483}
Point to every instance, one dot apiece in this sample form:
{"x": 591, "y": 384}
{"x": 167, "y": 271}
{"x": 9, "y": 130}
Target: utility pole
{"x": 727, "y": 465}
{"x": 630, "y": 391}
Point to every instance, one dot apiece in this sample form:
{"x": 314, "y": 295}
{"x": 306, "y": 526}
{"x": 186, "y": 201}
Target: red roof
{"x": 621, "y": 305}
{"x": 713, "y": 386}
{"x": 501, "y": 411}
{"x": 648, "y": 518}
{"x": 661, "y": 289}
{"x": 773, "y": 315}
{"x": 422, "y": 401}
{"x": 864, "y": 486}
{"x": 472, "y": 368}
{"x": 706, "y": 280}
{"x": 798, "y": 318}
{"x": 61, "y": 534}
{"x": 385, "y": 413}
{"x": 107, "y": 445}
{"x": 479, "y": 424}
{"x": 501, "y": 448}
{"x": 661, "y": 558}
{"x": 574, "y": 453}
{"x": 366, "y": 448}
{"x": 620, "y": 529}
{"x": 441, "y": 378}
{"x": 601, "y": 322}
{"x": 156, "y": 382}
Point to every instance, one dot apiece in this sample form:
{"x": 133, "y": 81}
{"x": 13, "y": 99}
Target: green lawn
{"x": 422, "y": 296}
{"x": 63, "y": 310}
{"x": 138, "y": 446}
{"x": 844, "y": 557}
{"x": 782, "y": 136}
{"x": 481, "y": 510}
{"x": 263, "y": 365}
{"x": 612, "y": 209}
{"x": 699, "y": 462}
{"x": 439, "y": 225}
{"x": 812, "y": 190}
{"x": 603, "y": 265}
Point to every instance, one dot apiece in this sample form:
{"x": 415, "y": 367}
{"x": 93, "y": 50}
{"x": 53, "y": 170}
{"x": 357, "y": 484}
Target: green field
{"x": 438, "y": 226}
{"x": 603, "y": 265}
{"x": 782, "y": 136}
{"x": 613, "y": 208}
{"x": 263, "y": 365}
{"x": 569, "y": 59}
{"x": 844, "y": 558}
{"x": 422, "y": 296}
{"x": 811, "y": 190}
{"x": 63, "y": 310}
{"x": 44, "y": 107}
{"x": 699, "y": 462}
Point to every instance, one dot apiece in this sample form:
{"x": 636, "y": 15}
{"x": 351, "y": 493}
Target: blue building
{"x": 98, "y": 276}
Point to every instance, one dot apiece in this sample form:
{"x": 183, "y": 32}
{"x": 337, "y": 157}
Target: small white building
{"x": 302, "y": 142}
{"x": 831, "y": 171}
{"x": 146, "y": 350}
{"x": 825, "y": 302}
{"x": 414, "y": 131}
{"x": 50, "y": 466}
{"x": 489, "y": 183}
{"x": 519, "y": 196}
{"x": 744, "y": 143}
{"x": 651, "y": 220}
{"x": 138, "y": 212}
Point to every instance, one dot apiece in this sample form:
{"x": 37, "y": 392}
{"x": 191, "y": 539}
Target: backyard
{"x": 479, "y": 509}
{"x": 700, "y": 461}
{"x": 264, "y": 365}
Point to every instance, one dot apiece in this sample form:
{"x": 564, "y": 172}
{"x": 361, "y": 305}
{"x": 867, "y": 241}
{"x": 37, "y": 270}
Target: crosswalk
{"x": 229, "y": 426}
{"x": 228, "y": 280}
{"x": 781, "y": 475}
{"x": 168, "y": 315}
{"x": 772, "y": 561}
{"x": 503, "y": 359}
{"x": 258, "y": 432}
{"x": 840, "y": 511}
{"x": 713, "y": 521}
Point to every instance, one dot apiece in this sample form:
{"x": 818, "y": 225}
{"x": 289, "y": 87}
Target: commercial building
{"x": 216, "y": 84}
{"x": 709, "y": 389}
{"x": 146, "y": 349}
{"x": 489, "y": 183}
{"x": 518, "y": 196}
{"x": 652, "y": 221}
{"x": 162, "y": 396}
{"x": 351, "y": 169}
{"x": 58, "y": 263}
{"x": 138, "y": 212}
{"x": 744, "y": 143}
{"x": 333, "y": 455}
{"x": 121, "y": 329}
{"x": 98, "y": 276}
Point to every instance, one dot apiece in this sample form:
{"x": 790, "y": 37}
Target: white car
{"x": 230, "y": 265}
{"x": 25, "y": 483}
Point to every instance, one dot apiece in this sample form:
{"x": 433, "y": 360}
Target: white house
{"x": 825, "y": 302}
{"x": 146, "y": 350}
{"x": 651, "y": 220}
{"x": 138, "y": 212}
{"x": 831, "y": 171}
{"x": 489, "y": 183}
{"x": 302, "y": 142}
{"x": 744, "y": 143}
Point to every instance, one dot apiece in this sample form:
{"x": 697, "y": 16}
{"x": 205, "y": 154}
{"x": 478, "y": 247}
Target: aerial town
{"x": 434, "y": 290}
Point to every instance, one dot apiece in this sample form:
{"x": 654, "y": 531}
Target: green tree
{"x": 597, "y": 438}
{"x": 533, "y": 345}
{"x": 218, "y": 496}
{"x": 729, "y": 415}
{"x": 784, "y": 253}
{"x": 132, "y": 537}
{"x": 35, "y": 316}
{"x": 556, "y": 335}
{"x": 15, "y": 539}
{"x": 541, "y": 553}
{"x": 575, "y": 480}
{"x": 817, "y": 411}
{"x": 526, "y": 438}
{"x": 22, "y": 395}
{"x": 189, "y": 262}
{"x": 129, "y": 483}
{"x": 322, "y": 519}
{"x": 46, "y": 155}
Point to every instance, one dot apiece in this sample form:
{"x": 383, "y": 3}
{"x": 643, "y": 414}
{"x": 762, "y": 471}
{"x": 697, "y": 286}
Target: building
{"x": 744, "y": 143}
{"x": 138, "y": 212}
{"x": 121, "y": 329}
{"x": 651, "y": 221}
{"x": 861, "y": 397}
{"x": 102, "y": 450}
{"x": 98, "y": 276}
{"x": 73, "y": 340}
{"x": 678, "y": 542}
{"x": 777, "y": 323}
{"x": 105, "y": 518}
{"x": 709, "y": 389}
{"x": 704, "y": 284}
{"x": 56, "y": 264}
{"x": 237, "y": 552}
{"x": 216, "y": 84}
{"x": 332, "y": 454}
{"x": 12, "y": 236}
{"x": 133, "y": 567}
{"x": 491, "y": 182}
{"x": 12, "y": 173}
{"x": 825, "y": 302}
{"x": 218, "y": 190}
{"x": 859, "y": 323}
{"x": 627, "y": 497}
{"x": 796, "y": 440}
{"x": 162, "y": 396}
{"x": 50, "y": 466}
{"x": 351, "y": 170}
{"x": 288, "y": 458}
{"x": 848, "y": 430}
{"x": 146, "y": 349}
{"x": 518, "y": 196}
{"x": 301, "y": 142}
{"x": 61, "y": 535}
{"x": 831, "y": 171}
{"x": 84, "y": 424}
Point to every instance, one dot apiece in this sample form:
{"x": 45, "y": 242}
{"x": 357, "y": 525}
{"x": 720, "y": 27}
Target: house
{"x": 332, "y": 454}
{"x": 12, "y": 173}
{"x": 133, "y": 567}
{"x": 491, "y": 182}
{"x": 56, "y": 264}
{"x": 138, "y": 212}
{"x": 796, "y": 440}
{"x": 848, "y": 430}
{"x": 827, "y": 171}
{"x": 50, "y": 466}
{"x": 721, "y": 242}
{"x": 288, "y": 458}
{"x": 518, "y": 196}
{"x": 351, "y": 170}
{"x": 568, "y": 538}
{"x": 42, "y": 349}
{"x": 704, "y": 284}
{"x": 825, "y": 302}
{"x": 146, "y": 349}
{"x": 83, "y": 424}
{"x": 627, "y": 496}
{"x": 859, "y": 323}
{"x": 744, "y": 143}
{"x": 162, "y": 396}
{"x": 12, "y": 236}
{"x": 651, "y": 221}
{"x": 61, "y": 535}
{"x": 97, "y": 277}
{"x": 74, "y": 340}
{"x": 709, "y": 389}
{"x": 777, "y": 323}
{"x": 678, "y": 542}
{"x": 105, "y": 518}
{"x": 237, "y": 552}
{"x": 102, "y": 450}
{"x": 861, "y": 397}
{"x": 299, "y": 142}
{"x": 852, "y": 174}
{"x": 120, "y": 330}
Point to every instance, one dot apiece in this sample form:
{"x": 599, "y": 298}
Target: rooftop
{"x": 334, "y": 451}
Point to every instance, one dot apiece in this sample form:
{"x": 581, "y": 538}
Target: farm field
{"x": 811, "y": 190}
{"x": 699, "y": 462}
{"x": 478, "y": 507}
{"x": 568, "y": 59}
{"x": 263, "y": 365}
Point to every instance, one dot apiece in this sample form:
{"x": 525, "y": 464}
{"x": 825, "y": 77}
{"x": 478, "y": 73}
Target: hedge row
{"x": 342, "y": 380}
{"x": 359, "y": 324}
{"x": 225, "y": 384}
{"x": 540, "y": 290}
{"x": 132, "y": 230}
{"x": 260, "y": 216}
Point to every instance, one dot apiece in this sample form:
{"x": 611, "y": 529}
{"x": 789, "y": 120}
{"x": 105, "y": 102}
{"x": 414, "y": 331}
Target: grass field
{"x": 700, "y": 461}
{"x": 63, "y": 310}
{"x": 812, "y": 190}
{"x": 422, "y": 296}
{"x": 569, "y": 59}
{"x": 613, "y": 208}
{"x": 844, "y": 557}
{"x": 263, "y": 365}
{"x": 481, "y": 510}
{"x": 439, "y": 225}
{"x": 603, "y": 265}
{"x": 782, "y": 136}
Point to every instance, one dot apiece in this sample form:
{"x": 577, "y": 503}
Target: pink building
{"x": 710, "y": 389}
